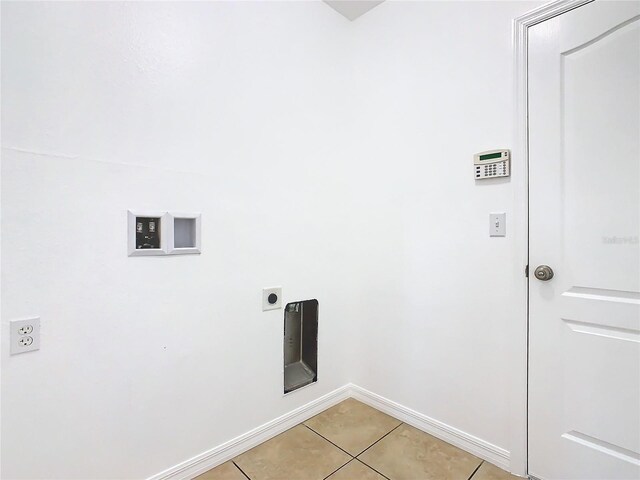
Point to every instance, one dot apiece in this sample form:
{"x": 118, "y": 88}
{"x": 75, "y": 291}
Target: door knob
{"x": 544, "y": 273}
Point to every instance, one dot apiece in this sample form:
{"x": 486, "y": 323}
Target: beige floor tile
{"x": 298, "y": 454}
{"x": 352, "y": 425}
{"x": 409, "y": 454}
{"x": 491, "y": 472}
{"x": 355, "y": 470}
{"x": 226, "y": 471}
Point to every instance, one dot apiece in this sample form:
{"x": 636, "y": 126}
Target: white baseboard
{"x": 478, "y": 447}
{"x": 222, "y": 453}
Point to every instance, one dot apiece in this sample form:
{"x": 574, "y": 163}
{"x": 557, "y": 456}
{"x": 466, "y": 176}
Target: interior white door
{"x": 584, "y": 220}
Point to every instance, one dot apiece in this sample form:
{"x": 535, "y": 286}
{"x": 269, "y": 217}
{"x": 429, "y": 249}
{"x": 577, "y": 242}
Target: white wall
{"x": 330, "y": 157}
{"x": 441, "y": 327}
{"x": 239, "y": 111}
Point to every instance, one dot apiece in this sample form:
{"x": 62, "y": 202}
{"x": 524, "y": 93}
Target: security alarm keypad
{"x": 491, "y": 164}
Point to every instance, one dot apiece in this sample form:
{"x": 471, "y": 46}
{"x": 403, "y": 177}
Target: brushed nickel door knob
{"x": 544, "y": 273}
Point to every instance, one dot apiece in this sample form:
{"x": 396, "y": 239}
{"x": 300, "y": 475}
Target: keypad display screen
{"x": 491, "y": 156}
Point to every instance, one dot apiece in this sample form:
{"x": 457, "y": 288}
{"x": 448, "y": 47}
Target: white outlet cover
{"x": 24, "y": 335}
{"x": 266, "y": 301}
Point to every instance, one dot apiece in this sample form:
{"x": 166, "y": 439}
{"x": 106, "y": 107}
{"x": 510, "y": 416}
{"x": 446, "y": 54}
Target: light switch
{"x": 497, "y": 224}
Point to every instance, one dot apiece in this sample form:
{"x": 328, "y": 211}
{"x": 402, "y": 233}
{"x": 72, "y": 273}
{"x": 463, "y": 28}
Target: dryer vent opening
{"x": 300, "y": 344}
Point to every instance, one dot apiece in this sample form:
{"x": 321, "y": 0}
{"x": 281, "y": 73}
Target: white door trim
{"x": 520, "y": 174}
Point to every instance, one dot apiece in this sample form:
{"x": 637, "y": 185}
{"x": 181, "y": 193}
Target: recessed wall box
{"x": 492, "y": 164}
{"x": 184, "y": 233}
{"x": 300, "y": 344}
{"x": 147, "y": 233}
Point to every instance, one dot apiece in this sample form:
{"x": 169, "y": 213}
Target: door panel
{"x": 584, "y": 323}
{"x": 600, "y": 179}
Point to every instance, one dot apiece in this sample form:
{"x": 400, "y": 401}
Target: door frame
{"x": 520, "y": 174}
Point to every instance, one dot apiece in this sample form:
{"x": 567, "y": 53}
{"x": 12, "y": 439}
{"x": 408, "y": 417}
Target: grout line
{"x": 242, "y": 471}
{"x": 395, "y": 428}
{"x": 476, "y": 470}
{"x": 352, "y": 457}
{"x": 369, "y": 466}
{"x": 339, "y": 468}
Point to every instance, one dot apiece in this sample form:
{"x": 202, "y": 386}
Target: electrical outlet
{"x": 271, "y": 298}
{"x": 26, "y": 330}
{"x": 25, "y": 335}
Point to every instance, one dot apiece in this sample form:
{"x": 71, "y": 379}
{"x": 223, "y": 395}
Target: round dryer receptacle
{"x": 273, "y": 298}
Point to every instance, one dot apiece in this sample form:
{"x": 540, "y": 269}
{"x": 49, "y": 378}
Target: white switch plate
{"x": 267, "y": 303}
{"x": 497, "y": 224}
{"x": 25, "y": 335}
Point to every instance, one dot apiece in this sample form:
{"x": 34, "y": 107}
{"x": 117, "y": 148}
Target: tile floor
{"x": 352, "y": 441}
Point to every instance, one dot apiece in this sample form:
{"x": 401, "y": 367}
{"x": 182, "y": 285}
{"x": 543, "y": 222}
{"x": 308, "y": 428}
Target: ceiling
{"x": 352, "y": 9}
